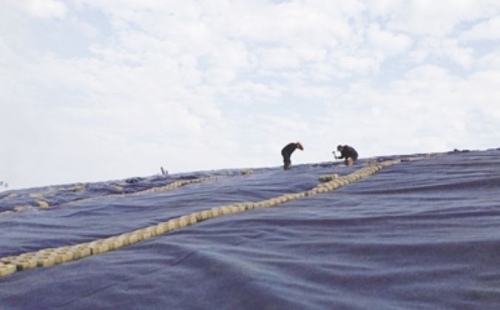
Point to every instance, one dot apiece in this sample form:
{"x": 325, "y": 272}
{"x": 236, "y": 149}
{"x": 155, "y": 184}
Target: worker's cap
{"x": 299, "y": 146}
{"x": 339, "y": 147}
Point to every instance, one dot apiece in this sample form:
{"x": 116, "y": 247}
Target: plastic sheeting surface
{"x": 417, "y": 235}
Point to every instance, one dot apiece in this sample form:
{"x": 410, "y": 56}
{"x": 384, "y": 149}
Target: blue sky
{"x": 95, "y": 90}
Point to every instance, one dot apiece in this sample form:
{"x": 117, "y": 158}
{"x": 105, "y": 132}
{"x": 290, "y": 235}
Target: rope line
{"x": 53, "y": 256}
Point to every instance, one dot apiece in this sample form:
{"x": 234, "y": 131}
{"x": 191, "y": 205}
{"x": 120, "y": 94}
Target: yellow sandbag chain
{"x": 176, "y": 184}
{"x": 52, "y": 256}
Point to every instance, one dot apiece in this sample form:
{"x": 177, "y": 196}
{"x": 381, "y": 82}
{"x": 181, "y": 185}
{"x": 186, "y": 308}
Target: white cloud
{"x": 214, "y": 84}
{"x": 41, "y": 8}
{"x": 251, "y": 92}
{"x": 487, "y": 30}
{"x": 391, "y": 43}
{"x": 490, "y": 60}
{"x": 439, "y": 18}
{"x": 385, "y": 7}
{"x": 445, "y": 50}
{"x": 428, "y": 109}
{"x": 279, "y": 58}
{"x": 359, "y": 64}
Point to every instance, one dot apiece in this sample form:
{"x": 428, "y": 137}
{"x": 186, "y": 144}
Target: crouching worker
{"x": 287, "y": 151}
{"x": 347, "y": 153}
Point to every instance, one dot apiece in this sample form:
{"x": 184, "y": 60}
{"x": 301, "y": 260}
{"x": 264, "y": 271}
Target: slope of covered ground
{"x": 409, "y": 232}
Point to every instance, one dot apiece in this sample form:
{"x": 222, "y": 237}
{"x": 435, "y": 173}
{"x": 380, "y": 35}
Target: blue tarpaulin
{"x": 421, "y": 234}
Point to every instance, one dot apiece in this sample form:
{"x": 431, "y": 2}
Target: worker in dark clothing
{"x": 287, "y": 151}
{"x": 348, "y": 153}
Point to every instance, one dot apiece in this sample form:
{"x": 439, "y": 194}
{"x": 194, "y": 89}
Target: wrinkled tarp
{"x": 417, "y": 235}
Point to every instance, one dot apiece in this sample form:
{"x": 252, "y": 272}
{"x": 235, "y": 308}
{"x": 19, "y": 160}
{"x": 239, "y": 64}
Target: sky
{"x": 97, "y": 90}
